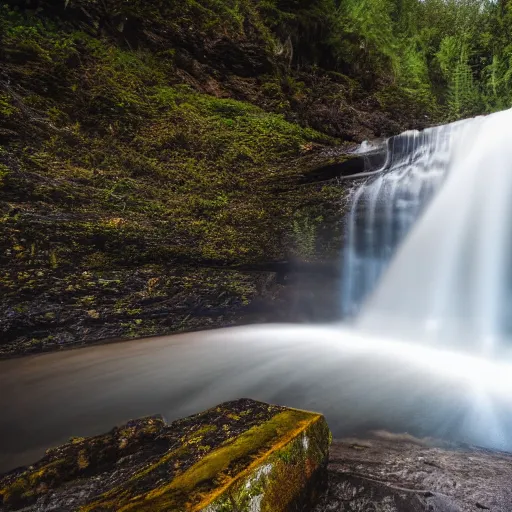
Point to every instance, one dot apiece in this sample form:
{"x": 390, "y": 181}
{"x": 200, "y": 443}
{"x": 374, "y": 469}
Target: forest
{"x": 151, "y": 151}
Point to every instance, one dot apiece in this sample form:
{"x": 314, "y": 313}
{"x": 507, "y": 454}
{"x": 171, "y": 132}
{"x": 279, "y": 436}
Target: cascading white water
{"x": 450, "y": 280}
{"x": 387, "y": 204}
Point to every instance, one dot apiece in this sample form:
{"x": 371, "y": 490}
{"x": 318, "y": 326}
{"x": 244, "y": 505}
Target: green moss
{"x": 4, "y": 171}
{"x": 112, "y": 162}
{"x": 7, "y": 108}
{"x": 72, "y": 461}
{"x": 214, "y": 469}
{"x": 284, "y": 477}
{"x": 27, "y": 487}
{"x": 164, "y": 173}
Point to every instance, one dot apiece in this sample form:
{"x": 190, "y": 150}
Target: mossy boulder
{"x": 239, "y": 456}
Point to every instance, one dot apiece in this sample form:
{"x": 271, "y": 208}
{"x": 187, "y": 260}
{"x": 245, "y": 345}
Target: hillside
{"x": 151, "y": 153}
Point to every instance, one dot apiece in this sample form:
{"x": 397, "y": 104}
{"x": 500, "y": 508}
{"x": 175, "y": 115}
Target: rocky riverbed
{"x": 400, "y": 473}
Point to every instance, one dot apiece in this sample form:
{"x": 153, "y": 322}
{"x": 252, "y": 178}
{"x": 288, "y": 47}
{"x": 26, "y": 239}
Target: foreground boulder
{"x": 240, "y": 456}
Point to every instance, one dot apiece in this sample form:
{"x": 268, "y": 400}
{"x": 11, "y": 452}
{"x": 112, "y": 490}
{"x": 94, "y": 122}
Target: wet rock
{"x": 393, "y": 473}
{"x": 46, "y": 310}
{"x": 349, "y": 164}
{"x": 239, "y": 456}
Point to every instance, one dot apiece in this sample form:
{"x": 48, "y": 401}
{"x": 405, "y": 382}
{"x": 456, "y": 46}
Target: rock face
{"x": 240, "y": 456}
{"x": 393, "y": 473}
{"x": 148, "y": 149}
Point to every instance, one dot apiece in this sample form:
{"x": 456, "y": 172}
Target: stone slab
{"x": 241, "y": 456}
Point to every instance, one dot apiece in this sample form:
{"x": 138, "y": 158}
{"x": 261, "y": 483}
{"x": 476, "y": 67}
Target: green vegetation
{"x": 162, "y": 134}
{"x": 162, "y": 171}
{"x": 448, "y": 57}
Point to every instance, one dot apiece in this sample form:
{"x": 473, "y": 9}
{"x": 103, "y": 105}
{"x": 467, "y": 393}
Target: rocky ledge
{"x": 399, "y": 473}
{"x": 240, "y": 456}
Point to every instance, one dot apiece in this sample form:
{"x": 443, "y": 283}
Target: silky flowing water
{"x": 428, "y": 257}
{"x": 388, "y": 202}
{"x": 450, "y": 280}
{"x": 423, "y": 349}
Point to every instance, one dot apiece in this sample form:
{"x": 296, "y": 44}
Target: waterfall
{"x": 449, "y": 189}
{"x": 386, "y": 205}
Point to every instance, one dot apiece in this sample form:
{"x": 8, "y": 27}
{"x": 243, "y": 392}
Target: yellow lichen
{"x": 183, "y": 492}
{"x": 31, "y": 482}
{"x": 199, "y": 434}
{"x": 83, "y": 461}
